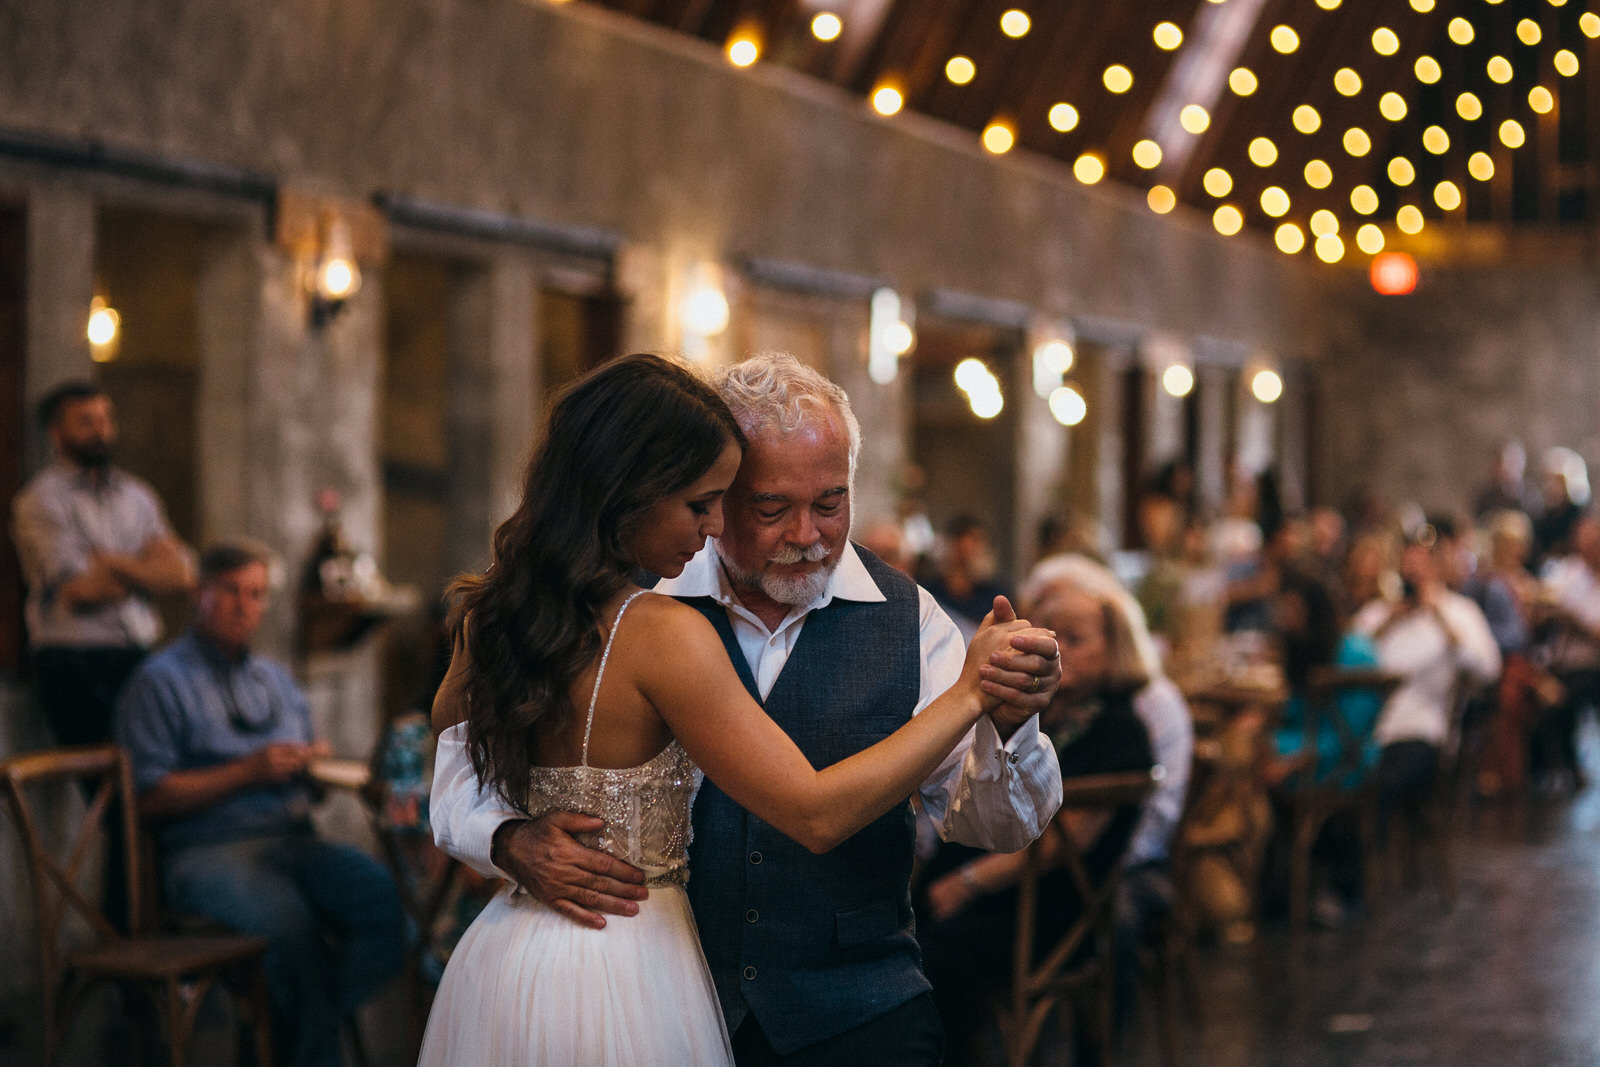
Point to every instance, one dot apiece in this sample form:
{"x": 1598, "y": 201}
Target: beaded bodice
{"x": 645, "y": 808}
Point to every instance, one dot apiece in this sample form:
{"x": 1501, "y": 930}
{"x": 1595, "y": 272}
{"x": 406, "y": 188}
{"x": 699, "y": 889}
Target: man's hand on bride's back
{"x": 583, "y": 884}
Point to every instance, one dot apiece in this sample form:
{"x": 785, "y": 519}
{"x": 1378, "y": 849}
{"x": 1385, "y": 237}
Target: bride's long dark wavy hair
{"x": 618, "y": 441}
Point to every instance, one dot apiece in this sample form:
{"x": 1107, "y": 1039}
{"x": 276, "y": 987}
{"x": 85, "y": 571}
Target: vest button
{"x": 751, "y": 916}
{"x": 755, "y": 857}
{"x": 749, "y": 974}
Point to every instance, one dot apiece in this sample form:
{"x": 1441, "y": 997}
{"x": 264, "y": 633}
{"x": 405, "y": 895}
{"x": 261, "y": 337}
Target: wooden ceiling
{"x": 1551, "y": 179}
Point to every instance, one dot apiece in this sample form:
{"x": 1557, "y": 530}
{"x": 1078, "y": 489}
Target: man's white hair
{"x": 772, "y": 392}
{"x": 1083, "y": 574}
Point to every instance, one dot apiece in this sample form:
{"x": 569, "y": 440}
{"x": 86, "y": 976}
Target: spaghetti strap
{"x": 594, "y": 698}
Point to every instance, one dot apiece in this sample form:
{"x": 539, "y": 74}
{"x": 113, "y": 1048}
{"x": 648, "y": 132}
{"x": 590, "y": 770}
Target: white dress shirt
{"x": 1418, "y": 648}
{"x": 985, "y": 793}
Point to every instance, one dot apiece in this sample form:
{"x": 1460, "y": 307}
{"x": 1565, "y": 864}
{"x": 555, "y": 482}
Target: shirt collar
{"x": 704, "y": 577}
{"x": 214, "y": 655}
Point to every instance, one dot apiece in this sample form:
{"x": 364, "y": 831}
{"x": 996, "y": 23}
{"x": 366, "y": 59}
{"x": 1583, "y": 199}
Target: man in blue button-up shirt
{"x": 221, "y": 741}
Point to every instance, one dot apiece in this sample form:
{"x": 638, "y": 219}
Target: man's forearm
{"x": 161, "y": 568}
{"x": 183, "y": 792}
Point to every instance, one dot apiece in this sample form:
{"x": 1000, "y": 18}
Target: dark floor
{"x": 1510, "y": 976}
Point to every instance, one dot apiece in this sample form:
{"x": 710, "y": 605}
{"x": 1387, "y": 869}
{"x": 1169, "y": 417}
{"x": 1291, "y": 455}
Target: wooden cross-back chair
{"x": 1314, "y": 798}
{"x": 175, "y": 971}
{"x": 1065, "y": 973}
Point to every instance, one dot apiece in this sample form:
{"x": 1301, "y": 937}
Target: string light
{"x": 1401, "y": 172}
{"x": 1480, "y": 166}
{"x": 1167, "y": 36}
{"x": 1194, "y": 118}
{"x": 1161, "y": 199}
{"x": 1217, "y": 182}
{"x": 1356, "y": 141}
{"x": 1289, "y": 238}
{"x": 1274, "y": 201}
{"x": 1369, "y": 239}
{"x": 743, "y": 49}
{"x": 1385, "y": 41}
{"x": 826, "y": 26}
{"x": 1589, "y": 23}
{"x": 1347, "y": 81}
{"x": 1528, "y": 32}
{"x": 1330, "y": 250}
{"x": 1177, "y": 380}
{"x": 1242, "y": 81}
{"x": 960, "y": 70}
{"x": 1469, "y": 107}
{"x": 1015, "y": 23}
{"x": 1089, "y": 168}
{"x": 1566, "y": 63}
{"x": 1306, "y": 119}
{"x": 1392, "y": 106}
{"x": 1427, "y": 70}
{"x": 1409, "y": 219}
{"x": 999, "y": 137}
{"x": 1228, "y": 220}
{"x": 1263, "y": 153}
{"x": 1435, "y": 140}
{"x": 1324, "y": 222}
{"x": 1067, "y": 406}
{"x": 1541, "y": 100}
{"x": 1364, "y": 198}
{"x": 1318, "y": 174}
{"x": 1447, "y": 195}
{"x": 1499, "y": 68}
{"x": 1063, "y": 117}
{"x": 1284, "y": 39}
{"x": 1328, "y": 5}
{"x": 1511, "y": 134}
{"x": 1117, "y": 78}
{"x": 887, "y": 100}
{"x": 1461, "y": 31}
{"x": 1147, "y": 154}
{"x": 1422, "y": 7}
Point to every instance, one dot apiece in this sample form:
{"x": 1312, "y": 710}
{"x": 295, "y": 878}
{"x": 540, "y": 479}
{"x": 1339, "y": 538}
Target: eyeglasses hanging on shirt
{"x": 253, "y": 721}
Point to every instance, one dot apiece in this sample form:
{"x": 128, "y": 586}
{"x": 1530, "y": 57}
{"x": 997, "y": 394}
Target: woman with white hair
{"x": 971, "y": 896}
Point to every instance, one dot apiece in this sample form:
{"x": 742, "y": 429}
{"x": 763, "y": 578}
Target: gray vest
{"x": 816, "y": 945}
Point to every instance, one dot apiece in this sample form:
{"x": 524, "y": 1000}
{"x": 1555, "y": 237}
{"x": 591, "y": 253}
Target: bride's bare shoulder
{"x": 670, "y": 623}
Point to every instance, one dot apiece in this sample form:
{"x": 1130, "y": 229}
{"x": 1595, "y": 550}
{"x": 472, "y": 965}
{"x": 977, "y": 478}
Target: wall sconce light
{"x": 105, "y": 331}
{"x": 974, "y": 378}
{"x": 704, "y": 312}
{"x": 334, "y": 277}
{"x": 890, "y": 335}
{"x": 1267, "y": 385}
{"x": 1068, "y": 406}
{"x": 1052, "y": 358}
{"x": 329, "y": 240}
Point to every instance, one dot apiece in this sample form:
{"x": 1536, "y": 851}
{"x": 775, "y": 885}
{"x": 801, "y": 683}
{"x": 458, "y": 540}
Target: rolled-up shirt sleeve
{"x": 986, "y": 793}
{"x": 463, "y": 813}
{"x": 49, "y": 551}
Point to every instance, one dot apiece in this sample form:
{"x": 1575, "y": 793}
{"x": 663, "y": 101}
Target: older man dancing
{"x": 814, "y": 956}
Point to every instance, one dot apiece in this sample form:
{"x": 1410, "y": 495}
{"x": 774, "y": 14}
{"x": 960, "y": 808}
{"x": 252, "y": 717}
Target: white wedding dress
{"x": 528, "y": 986}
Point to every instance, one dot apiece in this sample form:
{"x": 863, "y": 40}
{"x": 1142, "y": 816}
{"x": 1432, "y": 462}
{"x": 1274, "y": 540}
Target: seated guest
{"x": 1569, "y": 608}
{"x": 964, "y": 583}
{"x": 971, "y": 898}
{"x": 1432, "y": 637}
{"x": 1146, "y": 890}
{"x": 220, "y": 740}
{"x": 1308, "y": 633}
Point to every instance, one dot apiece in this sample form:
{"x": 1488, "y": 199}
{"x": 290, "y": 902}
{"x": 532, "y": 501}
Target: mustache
{"x": 790, "y": 554}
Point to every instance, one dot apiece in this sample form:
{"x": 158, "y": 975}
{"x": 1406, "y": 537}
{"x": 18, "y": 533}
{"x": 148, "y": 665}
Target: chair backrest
{"x": 1093, "y": 793}
{"x": 1324, "y": 704}
{"x": 57, "y": 873}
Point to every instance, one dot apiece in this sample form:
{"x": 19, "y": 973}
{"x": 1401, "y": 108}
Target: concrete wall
{"x": 1420, "y": 390}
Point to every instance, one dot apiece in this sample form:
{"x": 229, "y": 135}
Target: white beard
{"x": 795, "y": 590}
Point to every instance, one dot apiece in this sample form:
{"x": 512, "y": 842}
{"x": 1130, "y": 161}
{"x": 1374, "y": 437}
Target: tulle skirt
{"x": 528, "y": 986}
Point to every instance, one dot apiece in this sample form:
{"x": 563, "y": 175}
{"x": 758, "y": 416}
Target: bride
{"x": 584, "y": 693}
